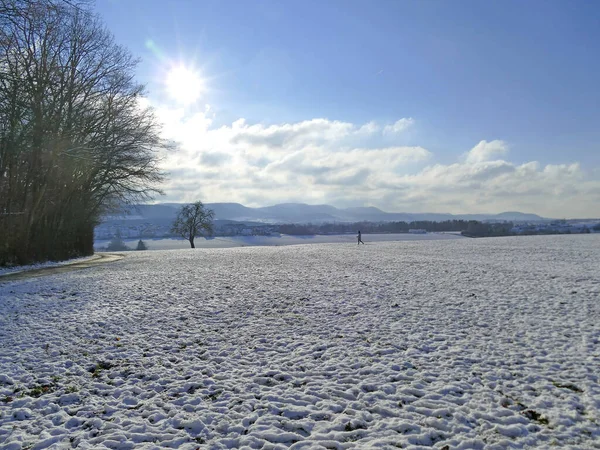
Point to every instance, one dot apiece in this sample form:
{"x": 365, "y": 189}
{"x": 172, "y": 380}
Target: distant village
{"x": 153, "y": 231}
{"x": 558, "y": 227}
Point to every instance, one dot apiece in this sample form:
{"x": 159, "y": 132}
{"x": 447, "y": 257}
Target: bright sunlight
{"x": 184, "y": 85}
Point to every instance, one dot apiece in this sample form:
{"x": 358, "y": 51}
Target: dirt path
{"x": 99, "y": 258}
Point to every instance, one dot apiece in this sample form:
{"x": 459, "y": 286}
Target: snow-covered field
{"x": 451, "y": 344}
{"x": 284, "y": 239}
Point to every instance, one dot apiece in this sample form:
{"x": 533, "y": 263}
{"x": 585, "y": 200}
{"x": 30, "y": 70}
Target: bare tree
{"x": 74, "y": 137}
{"x": 192, "y": 221}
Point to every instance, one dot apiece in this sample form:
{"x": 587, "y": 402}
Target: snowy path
{"x": 454, "y": 344}
{"x": 6, "y": 271}
{"x": 52, "y": 269}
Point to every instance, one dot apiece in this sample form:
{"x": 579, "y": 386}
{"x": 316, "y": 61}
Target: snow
{"x": 277, "y": 240}
{"x": 485, "y": 344}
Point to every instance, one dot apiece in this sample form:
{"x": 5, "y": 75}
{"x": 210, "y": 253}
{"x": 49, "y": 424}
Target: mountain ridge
{"x": 305, "y": 213}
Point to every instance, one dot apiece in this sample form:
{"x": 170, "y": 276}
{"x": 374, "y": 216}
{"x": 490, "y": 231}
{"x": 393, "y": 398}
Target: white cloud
{"x": 399, "y": 126}
{"x": 328, "y": 161}
{"x": 290, "y": 135}
{"x": 485, "y": 151}
{"x": 369, "y": 128}
{"x": 496, "y": 186}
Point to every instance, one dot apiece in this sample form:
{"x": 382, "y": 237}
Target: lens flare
{"x": 184, "y": 85}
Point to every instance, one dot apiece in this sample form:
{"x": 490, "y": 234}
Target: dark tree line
{"x": 482, "y": 229}
{"x": 74, "y": 138}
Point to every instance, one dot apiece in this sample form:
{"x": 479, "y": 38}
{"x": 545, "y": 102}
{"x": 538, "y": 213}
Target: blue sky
{"x": 521, "y": 74}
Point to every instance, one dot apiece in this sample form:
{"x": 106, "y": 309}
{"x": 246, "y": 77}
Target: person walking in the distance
{"x": 360, "y": 241}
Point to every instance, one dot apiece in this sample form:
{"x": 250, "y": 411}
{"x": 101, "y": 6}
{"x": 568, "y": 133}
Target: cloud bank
{"x": 346, "y": 164}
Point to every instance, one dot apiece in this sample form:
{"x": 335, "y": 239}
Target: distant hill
{"x": 164, "y": 213}
{"x": 517, "y": 216}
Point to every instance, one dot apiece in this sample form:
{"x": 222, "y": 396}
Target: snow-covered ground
{"x": 451, "y": 344}
{"x": 284, "y": 239}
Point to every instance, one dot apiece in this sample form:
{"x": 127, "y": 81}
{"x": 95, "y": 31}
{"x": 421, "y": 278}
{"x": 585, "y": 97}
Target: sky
{"x": 409, "y": 106}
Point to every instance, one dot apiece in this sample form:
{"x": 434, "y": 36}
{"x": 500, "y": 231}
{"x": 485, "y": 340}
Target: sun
{"x": 184, "y": 85}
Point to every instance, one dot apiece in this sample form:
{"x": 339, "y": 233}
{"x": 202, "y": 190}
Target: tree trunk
{"x": 192, "y": 242}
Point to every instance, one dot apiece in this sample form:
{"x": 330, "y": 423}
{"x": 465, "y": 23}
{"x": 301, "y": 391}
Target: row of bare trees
{"x": 75, "y": 138}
